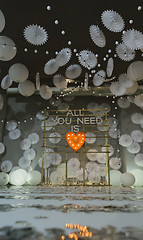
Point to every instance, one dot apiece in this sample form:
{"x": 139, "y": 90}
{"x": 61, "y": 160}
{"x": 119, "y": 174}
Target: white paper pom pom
{"x": 112, "y": 21}
{"x": 87, "y": 59}
{"x": 137, "y": 135}
{"x": 6, "y": 82}
{"x": 138, "y": 174}
{"x": 134, "y": 147}
{"x": 92, "y": 154}
{"x": 73, "y": 164}
{"x": 14, "y": 134}
{"x": 135, "y": 71}
{"x": 29, "y": 154}
{"x": 127, "y": 179}
{"x": 25, "y": 144}
{"x": 4, "y": 179}
{"x": 26, "y": 88}
{"x": 125, "y": 140}
{"x": 133, "y": 39}
{"x": 63, "y": 57}
{"x": 34, "y": 178}
{"x": 54, "y": 137}
{"x": 90, "y": 138}
{"x": 115, "y": 176}
{"x": 7, "y": 49}
{"x": 18, "y": 72}
{"x": 56, "y": 158}
{"x": 2, "y": 148}
{"x": 60, "y": 81}
{"x": 2, "y": 21}
{"x": 125, "y": 53}
{"x": 117, "y": 89}
{"x": 6, "y": 166}
{"x": 125, "y": 81}
{"x": 35, "y": 34}
{"x": 123, "y": 102}
{"x": 73, "y": 71}
{"x": 139, "y": 100}
{"x": 93, "y": 178}
{"x": 33, "y": 138}
{"x": 115, "y": 163}
{"x": 132, "y": 89}
{"x": 51, "y": 67}
{"x": 18, "y": 177}
{"x": 109, "y": 149}
{"x": 139, "y": 159}
{"x": 45, "y": 92}
{"x": 24, "y": 163}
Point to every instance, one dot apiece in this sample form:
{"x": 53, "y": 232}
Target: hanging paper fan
{"x": 63, "y": 107}
{"x": 94, "y": 178}
{"x": 14, "y": 134}
{"x": 49, "y": 123}
{"x": 133, "y": 39}
{"x": 87, "y": 59}
{"x": 60, "y": 81}
{"x": 54, "y": 137}
{"x": 29, "y": 154}
{"x": 51, "y": 67}
{"x": 115, "y": 163}
{"x": 35, "y": 34}
{"x": 137, "y": 118}
{"x": 26, "y": 88}
{"x": 135, "y": 71}
{"x": 25, "y": 144}
{"x": 139, "y": 100}
{"x": 11, "y": 125}
{"x": 45, "y": 92}
{"x": 2, "y": 21}
{"x": 112, "y": 21}
{"x": 109, "y": 148}
{"x": 132, "y": 89}
{"x": 137, "y": 135}
{"x": 110, "y": 67}
{"x": 92, "y": 154}
{"x": 63, "y": 57}
{"x": 123, "y": 102}
{"x": 6, "y": 166}
{"x": 99, "y": 78}
{"x": 6, "y": 82}
{"x": 1, "y": 102}
{"x": 2, "y": 148}
{"x": 125, "y": 53}
{"x": 125, "y": 81}
{"x": 114, "y": 132}
{"x": 90, "y": 138}
{"x": 24, "y": 163}
{"x": 73, "y": 71}
{"x": 57, "y": 159}
{"x": 139, "y": 159}
{"x": 134, "y": 147}
{"x": 37, "y": 81}
{"x": 73, "y": 164}
{"x": 97, "y": 36}
{"x": 125, "y": 140}
{"x": 117, "y": 89}
{"x": 34, "y": 138}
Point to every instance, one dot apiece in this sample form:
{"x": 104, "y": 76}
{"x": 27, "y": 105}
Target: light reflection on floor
{"x": 44, "y": 211}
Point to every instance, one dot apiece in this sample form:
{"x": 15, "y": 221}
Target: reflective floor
{"x": 46, "y": 212}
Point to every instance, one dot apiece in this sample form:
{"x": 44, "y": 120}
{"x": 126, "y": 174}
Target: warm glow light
{"x": 75, "y": 141}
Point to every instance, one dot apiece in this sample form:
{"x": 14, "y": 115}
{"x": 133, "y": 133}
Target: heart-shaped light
{"x": 75, "y": 141}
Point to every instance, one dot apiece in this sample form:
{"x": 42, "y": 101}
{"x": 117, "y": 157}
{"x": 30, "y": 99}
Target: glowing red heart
{"x": 75, "y": 141}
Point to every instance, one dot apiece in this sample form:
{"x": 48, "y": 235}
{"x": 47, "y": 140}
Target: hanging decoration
{"x": 75, "y": 141}
{"x": 35, "y": 34}
{"x": 97, "y": 36}
{"x": 112, "y": 21}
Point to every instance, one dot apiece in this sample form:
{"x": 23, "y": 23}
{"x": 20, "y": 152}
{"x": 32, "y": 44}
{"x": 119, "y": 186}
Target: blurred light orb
{"x": 18, "y": 177}
{"x": 4, "y": 178}
{"x": 18, "y": 72}
{"x": 138, "y": 174}
{"x": 26, "y": 88}
{"x": 127, "y": 179}
{"x": 135, "y": 71}
{"x": 115, "y": 177}
{"x": 34, "y": 178}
